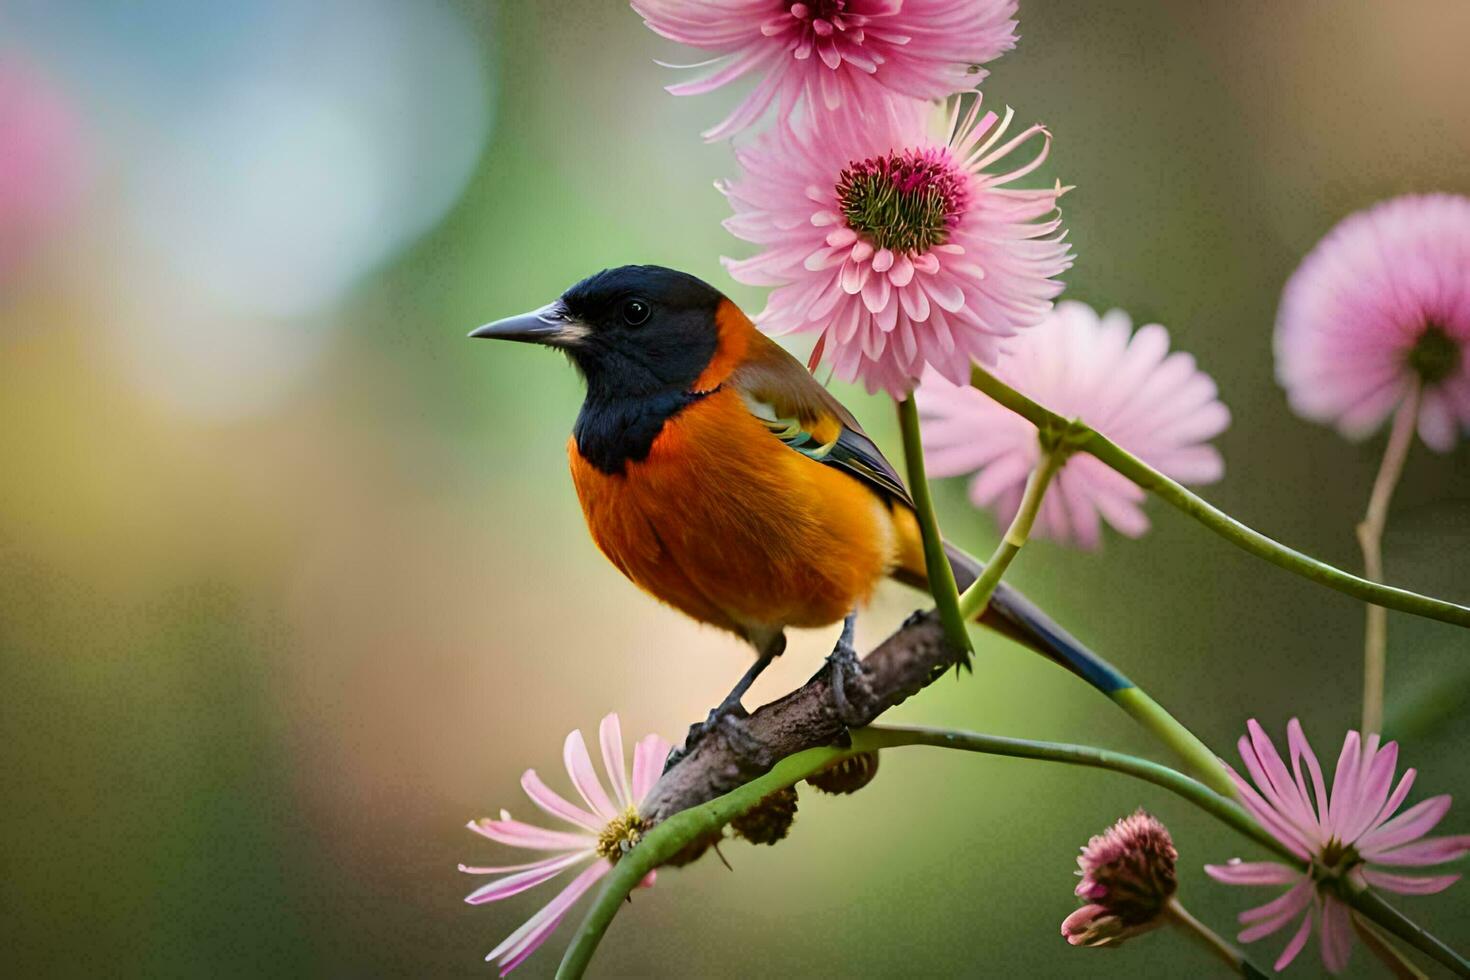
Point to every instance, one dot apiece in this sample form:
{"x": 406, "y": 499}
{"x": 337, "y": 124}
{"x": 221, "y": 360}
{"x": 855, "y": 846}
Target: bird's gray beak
{"x": 551, "y": 325}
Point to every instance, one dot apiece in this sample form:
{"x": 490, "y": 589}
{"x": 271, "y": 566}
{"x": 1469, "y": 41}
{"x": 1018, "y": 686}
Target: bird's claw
{"x": 729, "y": 720}
{"x": 846, "y": 676}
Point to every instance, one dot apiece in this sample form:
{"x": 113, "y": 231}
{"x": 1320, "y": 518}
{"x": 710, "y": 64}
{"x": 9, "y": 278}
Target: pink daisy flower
{"x": 40, "y": 160}
{"x": 853, "y": 54}
{"x": 1382, "y": 304}
{"x": 897, "y": 244}
{"x": 1350, "y": 836}
{"x": 1128, "y": 878}
{"x": 1126, "y": 385}
{"x": 608, "y": 826}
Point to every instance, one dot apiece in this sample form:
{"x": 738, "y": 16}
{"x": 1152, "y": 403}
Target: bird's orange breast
{"x": 727, "y": 524}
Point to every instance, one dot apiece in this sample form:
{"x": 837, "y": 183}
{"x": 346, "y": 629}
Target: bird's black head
{"x": 633, "y": 331}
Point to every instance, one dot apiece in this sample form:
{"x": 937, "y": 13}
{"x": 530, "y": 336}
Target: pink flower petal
{"x": 1238, "y": 872}
{"x": 550, "y": 801}
{"x": 1276, "y": 784}
{"x": 1430, "y": 850}
{"x": 1408, "y": 884}
{"x": 538, "y": 927}
{"x": 1275, "y": 914}
{"x": 649, "y": 756}
{"x": 1337, "y": 935}
{"x": 1412, "y": 824}
{"x": 1301, "y": 752}
{"x": 1297, "y": 944}
{"x": 1079, "y": 364}
{"x": 517, "y": 834}
{"x": 584, "y": 777}
{"x": 523, "y": 881}
{"x": 1344, "y": 803}
{"x": 474, "y": 869}
{"x": 610, "y": 737}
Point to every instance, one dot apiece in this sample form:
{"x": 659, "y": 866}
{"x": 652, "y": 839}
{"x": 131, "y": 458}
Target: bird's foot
{"x": 848, "y": 677}
{"x": 729, "y": 720}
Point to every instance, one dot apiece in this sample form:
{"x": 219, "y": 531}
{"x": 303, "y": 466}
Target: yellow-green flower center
{"x": 908, "y": 202}
{"x": 620, "y": 835}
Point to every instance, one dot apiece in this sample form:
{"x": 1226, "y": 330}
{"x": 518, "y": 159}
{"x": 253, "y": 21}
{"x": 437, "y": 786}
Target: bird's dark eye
{"x": 635, "y": 311}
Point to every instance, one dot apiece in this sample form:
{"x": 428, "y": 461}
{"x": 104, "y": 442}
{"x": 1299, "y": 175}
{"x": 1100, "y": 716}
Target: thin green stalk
{"x": 977, "y": 596}
{"x": 1151, "y": 715}
{"x": 1370, "y": 539}
{"x": 666, "y": 839}
{"x": 1220, "y": 522}
{"x": 1382, "y": 946}
{"x": 1210, "y": 939}
{"x": 1372, "y": 905}
{"x": 1220, "y": 806}
{"x": 941, "y": 576}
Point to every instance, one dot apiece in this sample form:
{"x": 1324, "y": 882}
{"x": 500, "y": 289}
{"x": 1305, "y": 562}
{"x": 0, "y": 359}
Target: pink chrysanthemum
{"x": 1157, "y": 405}
{"x": 601, "y": 833}
{"x": 40, "y": 160}
{"x": 830, "y": 54}
{"x": 898, "y": 245}
{"x": 1351, "y": 836}
{"x": 1381, "y": 304}
{"x": 1128, "y": 878}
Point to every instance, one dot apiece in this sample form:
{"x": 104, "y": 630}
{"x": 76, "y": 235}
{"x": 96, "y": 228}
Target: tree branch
{"x": 809, "y": 717}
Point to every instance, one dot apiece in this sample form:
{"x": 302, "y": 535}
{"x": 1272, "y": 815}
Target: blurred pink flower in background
{"x": 1126, "y": 385}
{"x": 608, "y": 825}
{"x": 1128, "y": 878}
{"x": 901, "y": 246}
{"x": 1351, "y": 834}
{"x": 850, "y": 54}
{"x": 40, "y": 159}
{"x": 1380, "y": 304}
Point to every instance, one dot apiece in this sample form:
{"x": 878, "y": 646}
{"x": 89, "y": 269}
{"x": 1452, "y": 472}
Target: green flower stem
{"x": 1222, "y": 807}
{"x": 1220, "y": 522}
{"x": 1374, "y": 907}
{"x": 941, "y": 577}
{"x": 1151, "y": 715}
{"x": 1059, "y": 439}
{"x": 666, "y": 839}
{"x": 1381, "y": 945}
{"x": 977, "y": 596}
{"x": 1210, "y": 940}
{"x": 1370, "y": 539}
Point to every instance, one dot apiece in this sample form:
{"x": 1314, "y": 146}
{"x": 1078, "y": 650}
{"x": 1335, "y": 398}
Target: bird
{"x": 722, "y": 478}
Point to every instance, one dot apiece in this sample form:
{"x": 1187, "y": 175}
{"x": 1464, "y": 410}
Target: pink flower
{"x": 1127, "y": 881}
{"x": 40, "y": 160}
{"x": 853, "y": 54}
{"x": 1351, "y": 836}
{"x": 601, "y": 832}
{"x": 1158, "y": 406}
{"x": 1380, "y": 304}
{"x": 895, "y": 244}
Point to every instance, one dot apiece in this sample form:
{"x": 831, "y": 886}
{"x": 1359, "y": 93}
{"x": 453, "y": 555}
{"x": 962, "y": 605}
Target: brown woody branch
{"x": 818, "y": 713}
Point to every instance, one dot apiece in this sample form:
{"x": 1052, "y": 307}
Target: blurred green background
{"x": 292, "y": 578}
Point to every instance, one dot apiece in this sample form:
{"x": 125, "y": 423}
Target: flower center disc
{"x": 620, "y": 835}
{"x": 905, "y": 202}
{"x": 1435, "y": 355}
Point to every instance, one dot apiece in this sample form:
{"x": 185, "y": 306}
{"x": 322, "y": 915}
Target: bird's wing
{"x": 806, "y": 417}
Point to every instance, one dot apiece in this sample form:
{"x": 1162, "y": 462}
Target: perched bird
{"x": 719, "y": 476}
